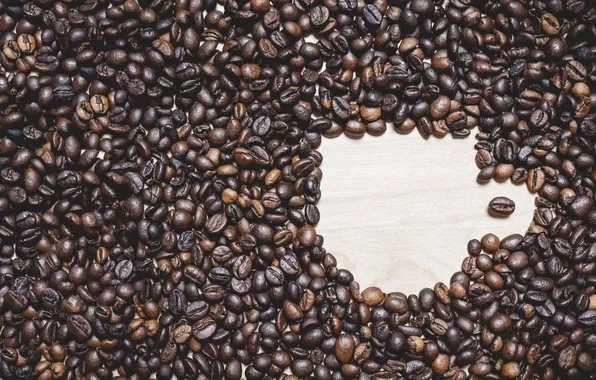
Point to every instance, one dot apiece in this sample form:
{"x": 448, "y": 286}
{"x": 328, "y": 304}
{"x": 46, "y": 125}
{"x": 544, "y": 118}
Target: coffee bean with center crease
{"x": 79, "y": 327}
{"x": 576, "y": 70}
{"x": 319, "y": 16}
{"x": 536, "y": 179}
{"x": 501, "y": 206}
{"x": 204, "y": 328}
{"x": 216, "y": 223}
{"x": 549, "y": 24}
{"x": 11, "y": 50}
{"x": 371, "y": 15}
{"x": 588, "y": 318}
{"x": 483, "y": 158}
{"x": 341, "y": 108}
{"x": 347, "y": 5}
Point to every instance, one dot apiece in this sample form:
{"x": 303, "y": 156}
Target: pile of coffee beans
{"x": 159, "y": 176}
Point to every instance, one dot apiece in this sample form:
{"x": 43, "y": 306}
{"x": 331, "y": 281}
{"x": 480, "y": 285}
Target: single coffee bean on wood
{"x": 501, "y": 206}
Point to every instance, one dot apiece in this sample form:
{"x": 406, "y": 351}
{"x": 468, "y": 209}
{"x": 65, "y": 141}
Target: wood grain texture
{"x": 398, "y": 210}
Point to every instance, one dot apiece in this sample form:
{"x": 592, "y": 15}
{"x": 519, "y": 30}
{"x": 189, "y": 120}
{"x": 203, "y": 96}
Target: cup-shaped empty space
{"x": 398, "y": 210}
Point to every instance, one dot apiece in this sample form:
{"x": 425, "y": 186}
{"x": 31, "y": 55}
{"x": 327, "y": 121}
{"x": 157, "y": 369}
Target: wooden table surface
{"x": 398, "y": 210}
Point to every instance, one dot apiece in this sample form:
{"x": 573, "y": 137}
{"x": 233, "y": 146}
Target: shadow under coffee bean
{"x": 160, "y": 174}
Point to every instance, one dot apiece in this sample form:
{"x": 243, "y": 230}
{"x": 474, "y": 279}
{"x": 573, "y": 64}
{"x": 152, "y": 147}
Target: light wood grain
{"x": 398, "y": 210}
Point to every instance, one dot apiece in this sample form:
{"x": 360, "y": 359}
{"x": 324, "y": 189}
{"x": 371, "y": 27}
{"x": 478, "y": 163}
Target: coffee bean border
{"x": 160, "y": 174}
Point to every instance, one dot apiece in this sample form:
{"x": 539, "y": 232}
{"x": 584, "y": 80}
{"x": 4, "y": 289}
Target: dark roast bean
{"x": 501, "y": 206}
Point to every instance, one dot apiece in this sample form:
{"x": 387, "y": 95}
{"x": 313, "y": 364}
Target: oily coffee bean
{"x": 536, "y": 179}
{"x": 371, "y": 15}
{"x": 501, "y": 206}
{"x": 319, "y": 16}
{"x": 341, "y": 108}
{"x": 79, "y": 327}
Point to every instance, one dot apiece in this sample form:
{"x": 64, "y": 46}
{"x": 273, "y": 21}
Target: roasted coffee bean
{"x": 501, "y": 206}
{"x": 319, "y": 16}
{"x": 536, "y": 179}
{"x": 344, "y": 348}
{"x": 371, "y": 15}
{"x": 11, "y": 50}
{"x": 483, "y": 158}
{"x": 79, "y": 327}
{"x": 99, "y": 104}
{"x": 26, "y": 43}
{"x": 341, "y": 108}
{"x": 84, "y": 111}
{"x": 549, "y": 24}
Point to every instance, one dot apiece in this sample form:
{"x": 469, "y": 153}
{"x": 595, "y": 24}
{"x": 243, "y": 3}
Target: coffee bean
{"x": 483, "y": 158}
{"x": 85, "y": 111}
{"x": 576, "y": 70}
{"x": 347, "y": 5}
{"x": 26, "y": 43}
{"x": 501, "y": 206}
{"x": 99, "y": 104}
{"x": 519, "y": 176}
{"x": 372, "y": 296}
{"x": 415, "y": 344}
{"x": 440, "y": 107}
{"x": 79, "y": 327}
{"x": 549, "y": 24}
{"x": 355, "y": 129}
{"x": 182, "y": 333}
{"x": 216, "y": 223}
{"x": 500, "y": 323}
{"x": 11, "y": 50}
{"x": 587, "y": 318}
{"x": 486, "y": 174}
{"x": 581, "y": 206}
{"x": 341, "y": 108}
{"x": 422, "y": 6}
{"x": 319, "y": 16}
{"x": 567, "y": 357}
{"x": 344, "y": 348}
{"x": 204, "y": 328}
{"x": 371, "y": 15}
{"x": 536, "y": 179}
{"x": 376, "y": 128}
{"x": 441, "y": 364}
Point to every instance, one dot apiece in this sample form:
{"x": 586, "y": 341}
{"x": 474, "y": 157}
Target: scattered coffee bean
{"x": 501, "y": 206}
